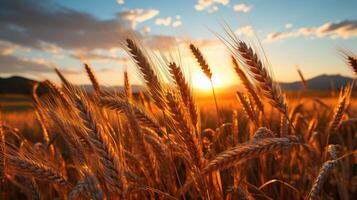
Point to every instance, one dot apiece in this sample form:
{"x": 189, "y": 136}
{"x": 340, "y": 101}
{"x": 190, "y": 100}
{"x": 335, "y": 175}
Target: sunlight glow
{"x": 201, "y": 82}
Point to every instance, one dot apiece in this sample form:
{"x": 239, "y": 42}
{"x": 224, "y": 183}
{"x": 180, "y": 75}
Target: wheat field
{"x": 163, "y": 144}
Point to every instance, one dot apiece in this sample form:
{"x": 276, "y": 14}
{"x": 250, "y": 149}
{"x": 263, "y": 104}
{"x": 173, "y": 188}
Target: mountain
{"x": 19, "y": 85}
{"x": 322, "y": 82}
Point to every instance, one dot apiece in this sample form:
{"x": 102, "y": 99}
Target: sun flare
{"x": 201, "y": 82}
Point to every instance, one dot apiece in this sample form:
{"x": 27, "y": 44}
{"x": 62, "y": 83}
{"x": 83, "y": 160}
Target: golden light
{"x": 201, "y": 82}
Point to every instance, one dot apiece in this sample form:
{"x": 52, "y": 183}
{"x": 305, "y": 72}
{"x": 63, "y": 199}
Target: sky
{"x": 38, "y": 35}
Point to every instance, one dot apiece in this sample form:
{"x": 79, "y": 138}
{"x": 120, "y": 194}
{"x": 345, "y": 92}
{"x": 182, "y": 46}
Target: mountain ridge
{"x": 22, "y": 85}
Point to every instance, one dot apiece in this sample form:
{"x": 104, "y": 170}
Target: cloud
{"x": 9, "y": 48}
{"x": 14, "y": 64}
{"x": 6, "y": 48}
{"x": 161, "y": 42}
{"x": 342, "y": 29}
{"x": 242, "y": 8}
{"x": 32, "y": 24}
{"x": 137, "y": 16}
{"x": 177, "y": 23}
{"x": 163, "y": 21}
{"x": 85, "y": 56}
{"x": 287, "y": 26}
{"x": 120, "y": 2}
{"x": 210, "y": 5}
{"x": 245, "y": 30}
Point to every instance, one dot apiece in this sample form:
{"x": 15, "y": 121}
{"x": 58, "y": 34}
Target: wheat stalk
{"x": 303, "y": 81}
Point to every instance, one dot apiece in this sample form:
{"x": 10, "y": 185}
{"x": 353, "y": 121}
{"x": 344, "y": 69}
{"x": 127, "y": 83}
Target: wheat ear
{"x": 247, "y": 84}
{"x": 352, "y": 62}
{"x": 242, "y": 153}
{"x": 127, "y": 86}
{"x": 190, "y": 138}
{"x": 321, "y": 178}
{"x": 207, "y": 71}
{"x": 302, "y": 78}
{"x": 2, "y": 151}
{"x": 40, "y": 171}
{"x": 120, "y": 106}
{"x": 93, "y": 79}
{"x": 261, "y": 76}
{"x": 151, "y": 79}
{"x": 104, "y": 149}
{"x": 184, "y": 89}
{"x": 247, "y": 107}
{"x": 65, "y": 82}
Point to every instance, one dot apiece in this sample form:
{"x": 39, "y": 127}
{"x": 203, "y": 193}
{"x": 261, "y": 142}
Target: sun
{"x": 200, "y": 81}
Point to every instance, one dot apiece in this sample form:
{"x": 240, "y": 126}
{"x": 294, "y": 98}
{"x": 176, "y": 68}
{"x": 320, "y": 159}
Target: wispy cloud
{"x": 245, "y": 30}
{"x": 14, "y": 64}
{"x": 137, "y": 16}
{"x": 289, "y": 25}
{"x": 242, "y": 8}
{"x": 120, "y": 2}
{"x": 177, "y": 22}
{"x": 168, "y": 21}
{"x": 163, "y": 21}
{"x": 342, "y": 29}
{"x": 9, "y": 48}
{"x": 210, "y": 5}
{"x": 86, "y": 55}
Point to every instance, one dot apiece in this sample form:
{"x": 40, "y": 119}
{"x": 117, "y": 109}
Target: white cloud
{"x": 137, "y": 16}
{"x": 177, "y": 23}
{"x": 245, "y": 30}
{"x": 121, "y": 2}
{"x": 163, "y": 21}
{"x": 210, "y": 5}
{"x": 242, "y": 8}
{"x": 342, "y": 29}
{"x": 287, "y": 26}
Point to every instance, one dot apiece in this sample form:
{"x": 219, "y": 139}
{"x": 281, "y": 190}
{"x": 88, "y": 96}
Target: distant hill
{"x": 322, "y": 82}
{"x": 19, "y": 85}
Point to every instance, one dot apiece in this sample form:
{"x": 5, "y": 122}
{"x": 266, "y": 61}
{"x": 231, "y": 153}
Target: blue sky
{"x": 306, "y": 34}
